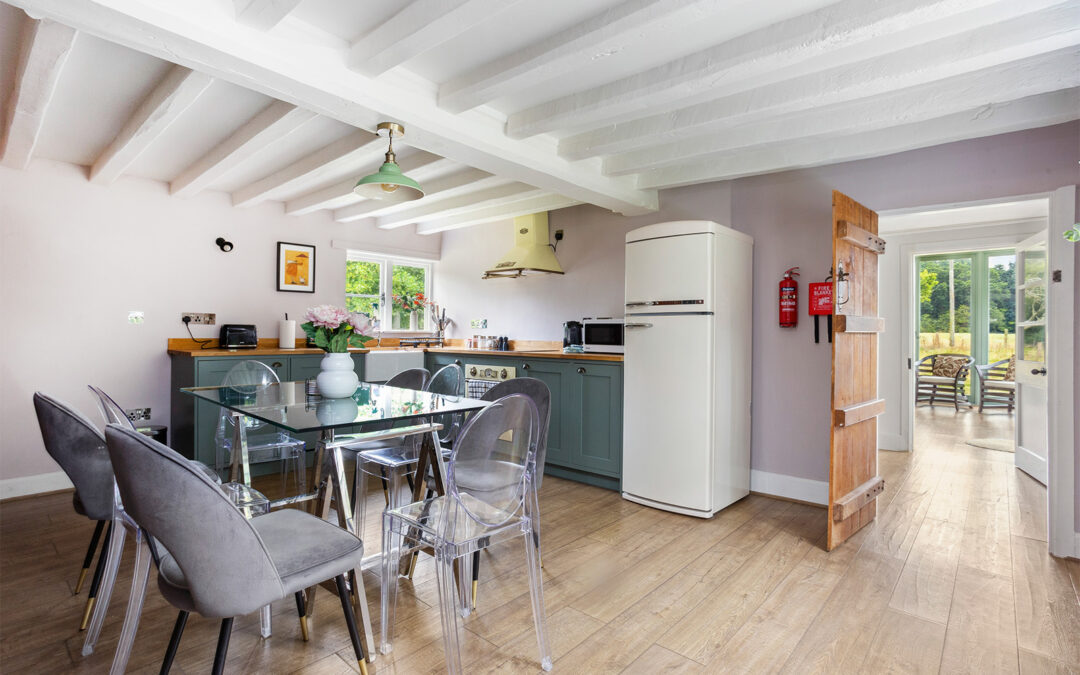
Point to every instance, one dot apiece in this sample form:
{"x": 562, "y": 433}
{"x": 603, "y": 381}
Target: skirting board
{"x": 791, "y": 487}
{"x": 1031, "y": 464}
{"x": 32, "y": 485}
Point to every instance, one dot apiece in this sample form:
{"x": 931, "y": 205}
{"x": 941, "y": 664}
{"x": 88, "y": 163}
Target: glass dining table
{"x": 392, "y": 412}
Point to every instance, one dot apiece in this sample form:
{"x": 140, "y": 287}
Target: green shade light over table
{"x": 389, "y": 185}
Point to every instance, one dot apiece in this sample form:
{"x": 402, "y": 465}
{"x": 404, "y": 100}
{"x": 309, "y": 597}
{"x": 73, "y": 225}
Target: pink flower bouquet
{"x": 334, "y": 330}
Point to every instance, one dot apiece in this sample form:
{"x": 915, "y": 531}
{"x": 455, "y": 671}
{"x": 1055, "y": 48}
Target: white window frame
{"x": 386, "y": 275}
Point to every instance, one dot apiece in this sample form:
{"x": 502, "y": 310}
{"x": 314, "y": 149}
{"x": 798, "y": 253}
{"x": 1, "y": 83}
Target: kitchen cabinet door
{"x": 595, "y": 405}
{"x": 557, "y": 376}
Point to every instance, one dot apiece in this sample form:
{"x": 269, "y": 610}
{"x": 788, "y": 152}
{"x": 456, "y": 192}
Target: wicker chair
{"x": 997, "y": 389}
{"x": 943, "y": 377}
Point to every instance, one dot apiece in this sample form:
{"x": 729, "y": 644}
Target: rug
{"x": 1000, "y": 444}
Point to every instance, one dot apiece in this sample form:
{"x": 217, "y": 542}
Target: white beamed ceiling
{"x": 512, "y": 105}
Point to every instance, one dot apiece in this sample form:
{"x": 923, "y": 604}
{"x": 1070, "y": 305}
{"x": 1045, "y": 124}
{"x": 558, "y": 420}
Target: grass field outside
{"x": 1002, "y": 346}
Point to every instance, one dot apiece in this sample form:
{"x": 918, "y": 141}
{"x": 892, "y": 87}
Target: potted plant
{"x": 334, "y": 330}
{"x": 412, "y": 303}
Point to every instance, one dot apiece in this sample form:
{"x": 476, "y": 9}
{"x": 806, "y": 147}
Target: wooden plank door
{"x": 854, "y": 483}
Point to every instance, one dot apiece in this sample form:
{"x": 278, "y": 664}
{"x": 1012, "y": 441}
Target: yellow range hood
{"x": 532, "y": 250}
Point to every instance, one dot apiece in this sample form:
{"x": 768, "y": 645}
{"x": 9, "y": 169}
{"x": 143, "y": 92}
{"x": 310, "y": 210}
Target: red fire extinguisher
{"x": 789, "y": 299}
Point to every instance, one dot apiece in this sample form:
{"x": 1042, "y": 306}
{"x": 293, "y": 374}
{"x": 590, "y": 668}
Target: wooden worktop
{"x": 533, "y": 349}
{"x": 267, "y": 347}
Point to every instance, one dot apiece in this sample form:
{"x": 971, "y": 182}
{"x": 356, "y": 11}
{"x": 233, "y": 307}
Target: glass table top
{"x": 286, "y": 405}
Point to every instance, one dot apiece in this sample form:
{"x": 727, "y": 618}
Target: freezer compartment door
{"x": 668, "y": 399}
{"x": 670, "y": 269}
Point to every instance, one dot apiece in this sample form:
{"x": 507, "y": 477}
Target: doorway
{"x": 965, "y": 345}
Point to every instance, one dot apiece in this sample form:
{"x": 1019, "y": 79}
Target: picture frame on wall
{"x": 295, "y": 267}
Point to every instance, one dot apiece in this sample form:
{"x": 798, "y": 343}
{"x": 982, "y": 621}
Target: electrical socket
{"x": 478, "y": 323}
{"x": 137, "y": 414}
{"x": 201, "y": 318}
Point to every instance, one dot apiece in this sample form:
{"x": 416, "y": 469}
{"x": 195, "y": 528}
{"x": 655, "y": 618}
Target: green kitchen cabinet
{"x": 585, "y": 432}
{"x": 193, "y": 423}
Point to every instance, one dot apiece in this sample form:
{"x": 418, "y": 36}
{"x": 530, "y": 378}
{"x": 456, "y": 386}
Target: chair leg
{"x": 222, "y": 646}
{"x": 475, "y": 575}
{"x": 89, "y": 555}
{"x": 350, "y": 621}
{"x": 96, "y": 581}
{"x": 302, "y": 611}
{"x": 385, "y": 487}
{"x": 133, "y": 613}
{"x": 174, "y": 642}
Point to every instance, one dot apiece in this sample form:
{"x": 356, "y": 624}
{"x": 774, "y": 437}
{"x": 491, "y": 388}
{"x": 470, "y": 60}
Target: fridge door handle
{"x": 637, "y": 325}
{"x": 640, "y": 304}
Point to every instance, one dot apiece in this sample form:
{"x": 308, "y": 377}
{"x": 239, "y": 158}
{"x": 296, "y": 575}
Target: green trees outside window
{"x": 967, "y": 304}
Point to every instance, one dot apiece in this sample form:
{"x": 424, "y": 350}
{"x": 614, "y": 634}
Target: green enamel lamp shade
{"x": 389, "y": 184}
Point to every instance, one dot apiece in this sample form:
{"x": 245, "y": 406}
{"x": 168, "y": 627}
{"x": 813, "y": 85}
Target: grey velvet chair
{"x": 79, "y": 448}
{"x": 218, "y": 563}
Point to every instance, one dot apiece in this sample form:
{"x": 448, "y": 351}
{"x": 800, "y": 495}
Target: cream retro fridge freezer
{"x": 686, "y": 369}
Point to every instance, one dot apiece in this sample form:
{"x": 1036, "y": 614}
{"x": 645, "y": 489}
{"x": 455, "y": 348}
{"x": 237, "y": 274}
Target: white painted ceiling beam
{"x": 491, "y": 213}
{"x": 603, "y": 34}
{"x": 263, "y": 14}
{"x": 176, "y": 93}
{"x": 1036, "y": 111}
{"x": 418, "y": 166}
{"x": 420, "y": 25}
{"x": 352, "y": 151}
{"x": 990, "y": 46}
{"x": 840, "y": 34}
{"x": 1028, "y": 77}
{"x": 499, "y": 194}
{"x": 286, "y": 64}
{"x": 274, "y": 123}
{"x": 468, "y": 182}
{"x": 43, "y": 50}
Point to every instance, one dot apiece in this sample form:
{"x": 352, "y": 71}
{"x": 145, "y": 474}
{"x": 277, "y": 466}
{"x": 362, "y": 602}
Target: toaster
{"x": 238, "y": 336}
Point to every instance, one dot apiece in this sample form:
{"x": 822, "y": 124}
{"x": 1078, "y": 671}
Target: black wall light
{"x": 225, "y": 246}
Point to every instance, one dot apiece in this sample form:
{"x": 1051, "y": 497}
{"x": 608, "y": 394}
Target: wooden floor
{"x": 952, "y": 577}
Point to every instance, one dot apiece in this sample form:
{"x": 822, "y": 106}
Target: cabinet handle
{"x": 581, "y": 371}
{"x": 275, "y": 364}
{"x": 457, "y": 362}
{"x": 525, "y": 366}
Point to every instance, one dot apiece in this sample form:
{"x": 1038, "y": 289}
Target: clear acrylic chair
{"x": 491, "y": 498}
{"x": 265, "y": 443}
{"x": 250, "y": 501}
{"x": 387, "y": 460}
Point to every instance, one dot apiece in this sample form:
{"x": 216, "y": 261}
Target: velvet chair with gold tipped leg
{"x": 79, "y": 448}
{"x": 216, "y": 562}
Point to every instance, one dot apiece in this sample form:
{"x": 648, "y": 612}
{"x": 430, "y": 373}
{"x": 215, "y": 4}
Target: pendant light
{"x": 388, "y": 183}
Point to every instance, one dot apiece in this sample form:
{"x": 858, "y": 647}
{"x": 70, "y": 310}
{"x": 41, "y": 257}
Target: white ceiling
{"x": 515, "y": 105}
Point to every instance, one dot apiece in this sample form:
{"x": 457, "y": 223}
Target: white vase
{"x": 337, "y": 378}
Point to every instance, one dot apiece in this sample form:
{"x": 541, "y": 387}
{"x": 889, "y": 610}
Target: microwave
{"x": 602, "y": 335}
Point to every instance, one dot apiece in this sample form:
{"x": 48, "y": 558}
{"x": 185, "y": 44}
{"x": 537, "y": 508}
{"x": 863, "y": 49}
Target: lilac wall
{"x": 789, "y": 215}
{"x": 76, "y": 257}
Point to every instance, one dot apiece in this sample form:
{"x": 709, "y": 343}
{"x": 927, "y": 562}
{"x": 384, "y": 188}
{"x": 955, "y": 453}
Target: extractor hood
{"x": 532, "y": 250}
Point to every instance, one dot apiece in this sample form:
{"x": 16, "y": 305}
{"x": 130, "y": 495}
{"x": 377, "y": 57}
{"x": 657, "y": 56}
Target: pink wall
{"x": 76, "y": 257}
{"x": 789, "y": 215}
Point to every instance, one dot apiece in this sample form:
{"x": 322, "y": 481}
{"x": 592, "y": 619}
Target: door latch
{"x": 1056, "y": 276}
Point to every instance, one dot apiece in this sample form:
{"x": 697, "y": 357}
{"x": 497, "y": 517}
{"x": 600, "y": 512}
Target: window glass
{"x": 944, "y": 306}
{"x": 409, "y": 289}
{"x": 1002, "y": 279}
{"x": 362, "y": 279}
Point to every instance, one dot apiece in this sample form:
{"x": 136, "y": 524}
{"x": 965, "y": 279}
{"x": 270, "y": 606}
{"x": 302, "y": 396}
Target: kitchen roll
{"x": 286, "y": 334}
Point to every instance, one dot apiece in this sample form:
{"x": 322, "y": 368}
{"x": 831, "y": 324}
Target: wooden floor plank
{"x": 981, "y": 635}
{"x": 1047, "y": 614}
{"x": 925, "y": 588}
{"x": 905, "y": 644}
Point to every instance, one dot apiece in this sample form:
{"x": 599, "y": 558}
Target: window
{"x": 384, "y": 288}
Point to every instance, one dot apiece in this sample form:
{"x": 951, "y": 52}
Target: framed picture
{"x": 295, "y": 267}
